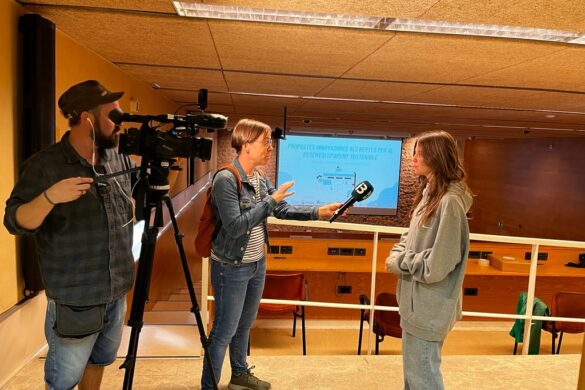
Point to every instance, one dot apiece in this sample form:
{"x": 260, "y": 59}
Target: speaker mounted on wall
{"x": 38, "y": 118}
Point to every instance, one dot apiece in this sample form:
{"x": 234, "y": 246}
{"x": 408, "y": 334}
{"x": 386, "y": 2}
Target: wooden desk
{"x": 496, "y": 291}
{"x": 311, "y": 254}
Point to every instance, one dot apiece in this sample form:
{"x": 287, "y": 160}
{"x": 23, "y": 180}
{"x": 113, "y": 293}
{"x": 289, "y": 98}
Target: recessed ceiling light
{"x": 379, "y": 23}
{"x": 550, "y": 116}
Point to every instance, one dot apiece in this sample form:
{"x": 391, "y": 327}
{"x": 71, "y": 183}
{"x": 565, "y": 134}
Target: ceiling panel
{"x": 150, "y": 5}
{"x": 217, "y": 103}
{"x": 275, "y": 84}
{"x": 373, "y": 90}
{"x": 564, "y": 14}
{"x": 186, "y": 96}
{"x": 507, "y": 117}
{"x": 143, "y": 39}
{"x": 476, "y": 96}
{"x": 407, "y": 129}
{"x": 446, "y": 115}
{"x": 178, "y": 78}
{"x": 559, "y": 14}
{"x": 561, "y": 70}
{"x": 292, "y": 49}
{"x": 360, "y": 110}
{"x": 549, "y": 101}
{"x": 444, "y": 58}
{"x": 263, "y": 105}
{"x": 182, "y": 55}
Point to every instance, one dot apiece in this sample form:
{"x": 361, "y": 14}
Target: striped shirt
{"x": 255, "y": 249}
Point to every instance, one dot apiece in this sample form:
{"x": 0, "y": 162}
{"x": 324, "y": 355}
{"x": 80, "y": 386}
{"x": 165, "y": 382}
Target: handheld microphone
{"x": 360, "y": 192}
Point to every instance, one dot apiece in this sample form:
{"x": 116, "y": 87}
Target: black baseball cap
{"x": 85, "y": 96}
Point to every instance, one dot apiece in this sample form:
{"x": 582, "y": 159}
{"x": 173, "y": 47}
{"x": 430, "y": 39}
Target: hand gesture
{"x": 281, "y": 193}
{"x": 325, "y": 212}
{"x": 68, "y": 190}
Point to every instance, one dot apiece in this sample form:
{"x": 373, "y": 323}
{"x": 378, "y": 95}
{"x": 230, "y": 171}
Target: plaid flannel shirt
{"x": 85, "y": 252}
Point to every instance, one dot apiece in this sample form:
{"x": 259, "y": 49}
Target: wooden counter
{"x": 488, "y": 289}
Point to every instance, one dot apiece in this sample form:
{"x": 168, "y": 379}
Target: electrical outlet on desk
{"x": 346, "y": 251}
{"x": 359, "y": 251}
{"x": 470, "y": 291}
{"x": 344, "y": 289}
{"x": 541, "y": 256}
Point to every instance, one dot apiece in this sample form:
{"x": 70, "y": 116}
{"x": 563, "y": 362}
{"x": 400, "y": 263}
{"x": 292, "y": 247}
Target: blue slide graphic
{"x": 326, "y": 169}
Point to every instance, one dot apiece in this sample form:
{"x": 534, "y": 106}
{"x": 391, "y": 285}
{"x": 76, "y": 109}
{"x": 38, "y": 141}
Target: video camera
{"x": 160, "y": 149}
{"x": 179, "y": 141}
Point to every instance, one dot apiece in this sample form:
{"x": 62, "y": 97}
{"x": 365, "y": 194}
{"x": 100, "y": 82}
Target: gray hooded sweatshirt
{"x": 430, "y": 262}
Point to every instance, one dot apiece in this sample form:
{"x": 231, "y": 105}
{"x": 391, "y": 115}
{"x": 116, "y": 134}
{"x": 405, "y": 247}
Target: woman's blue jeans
{"x": 421, "y": 363}
{"x": 237, "y": 291}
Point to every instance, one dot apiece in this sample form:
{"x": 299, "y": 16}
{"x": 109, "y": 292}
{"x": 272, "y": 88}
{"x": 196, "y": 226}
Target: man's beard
{"x": 104, "y": 142}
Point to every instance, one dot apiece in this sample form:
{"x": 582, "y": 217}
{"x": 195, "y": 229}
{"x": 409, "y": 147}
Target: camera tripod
{"x": 153, "y": 195}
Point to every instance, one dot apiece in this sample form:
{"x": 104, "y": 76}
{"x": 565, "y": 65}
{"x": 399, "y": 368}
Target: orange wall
{"x": 10, "y": 11}
{"x": 74, "y": 63}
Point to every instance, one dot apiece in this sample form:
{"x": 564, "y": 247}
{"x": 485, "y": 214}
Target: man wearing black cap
{"x": 83, "y": 230}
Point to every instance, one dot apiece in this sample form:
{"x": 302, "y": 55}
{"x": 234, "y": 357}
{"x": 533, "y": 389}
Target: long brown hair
{"x": 440, "y": 154}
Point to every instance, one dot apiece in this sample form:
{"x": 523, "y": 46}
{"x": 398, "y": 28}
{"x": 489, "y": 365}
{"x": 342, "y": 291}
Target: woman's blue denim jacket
{"x": 239, "y": 213}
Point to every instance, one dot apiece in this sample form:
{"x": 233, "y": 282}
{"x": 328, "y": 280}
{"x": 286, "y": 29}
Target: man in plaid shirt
{"x": 83, "y": 229}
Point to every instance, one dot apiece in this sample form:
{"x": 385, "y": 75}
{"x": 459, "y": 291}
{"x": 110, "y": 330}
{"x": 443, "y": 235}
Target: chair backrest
{"x": 569, "y": 304}
{"x": 285, "y": 286}
{"x": 387, "y": 322}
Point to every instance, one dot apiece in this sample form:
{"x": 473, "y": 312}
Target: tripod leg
{"x": 195, "y": 308}
{"x": 139, "y": 298}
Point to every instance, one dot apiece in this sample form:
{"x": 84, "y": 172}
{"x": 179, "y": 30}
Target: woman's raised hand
{"x": 281, "y": 193}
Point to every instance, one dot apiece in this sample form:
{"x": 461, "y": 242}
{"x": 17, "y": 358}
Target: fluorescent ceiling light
{"x": 263, "y": 15}
{"x": 206, "y": 11}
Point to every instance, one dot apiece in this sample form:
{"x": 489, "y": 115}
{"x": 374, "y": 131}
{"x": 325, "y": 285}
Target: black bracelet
{"x": 49, "y": 200}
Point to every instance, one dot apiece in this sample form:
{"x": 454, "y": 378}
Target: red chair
{"x": 386, "y": 323}
{"x": 291, "y": 287}
{"x": 565, "y": 304}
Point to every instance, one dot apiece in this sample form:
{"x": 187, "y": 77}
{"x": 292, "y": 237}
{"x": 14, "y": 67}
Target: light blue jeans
{"x": 67, "y": 357}
{"x": 237, "y": 291}
{"x": 421, "y": 363}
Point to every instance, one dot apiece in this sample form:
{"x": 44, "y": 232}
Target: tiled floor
{"x": 476, "y": 355}
{"x": 164, "y": 341}
{"x": 557, "y": 372}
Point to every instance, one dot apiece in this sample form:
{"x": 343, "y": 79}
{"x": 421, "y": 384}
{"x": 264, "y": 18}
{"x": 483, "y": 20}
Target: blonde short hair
{"x": 247, "y": 131}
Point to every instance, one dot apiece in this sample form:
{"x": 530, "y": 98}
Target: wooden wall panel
{"x": 528, "y": 188}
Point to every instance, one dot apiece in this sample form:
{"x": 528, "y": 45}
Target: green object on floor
{"x": 539, "y": 308}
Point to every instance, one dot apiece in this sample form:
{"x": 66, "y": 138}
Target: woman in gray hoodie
{"x": 430, "y": 259}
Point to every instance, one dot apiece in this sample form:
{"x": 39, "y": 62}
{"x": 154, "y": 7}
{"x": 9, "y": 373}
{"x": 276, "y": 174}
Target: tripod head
{"x": 152, "y": 186}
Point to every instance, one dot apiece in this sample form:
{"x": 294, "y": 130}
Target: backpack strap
{"x": 234, "y": 171}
